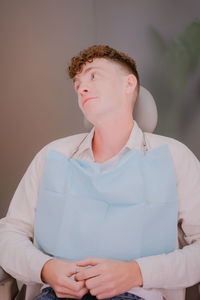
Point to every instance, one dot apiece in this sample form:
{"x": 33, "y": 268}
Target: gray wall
{"x": 37, "y": 40}
{"x": 38, "y": 104}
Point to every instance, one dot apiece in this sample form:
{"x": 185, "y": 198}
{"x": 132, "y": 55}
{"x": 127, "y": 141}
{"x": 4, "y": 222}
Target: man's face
{"x": 101, "y": 89}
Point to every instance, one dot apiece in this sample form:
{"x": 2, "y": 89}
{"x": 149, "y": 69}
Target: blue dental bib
{"x": 126, "y": 212}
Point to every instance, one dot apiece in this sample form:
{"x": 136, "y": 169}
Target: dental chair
{"x": 145, "y": 114}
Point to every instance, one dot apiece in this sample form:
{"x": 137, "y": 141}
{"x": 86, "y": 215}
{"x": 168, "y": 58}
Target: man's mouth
{"x": 87, "y": 99}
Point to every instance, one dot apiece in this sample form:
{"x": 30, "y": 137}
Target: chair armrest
{"x": 3, "y": 275}
{"x": 8, "y": 286}
{"x": 193, "y": 292}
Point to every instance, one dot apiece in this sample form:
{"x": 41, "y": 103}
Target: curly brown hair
{"x": 101, "y": 51}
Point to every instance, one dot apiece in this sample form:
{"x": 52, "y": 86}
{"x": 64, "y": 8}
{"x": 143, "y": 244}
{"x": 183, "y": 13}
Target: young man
{"x": 112, "y": 213}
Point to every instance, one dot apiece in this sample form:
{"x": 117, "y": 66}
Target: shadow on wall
{"x": 179, "y": 77}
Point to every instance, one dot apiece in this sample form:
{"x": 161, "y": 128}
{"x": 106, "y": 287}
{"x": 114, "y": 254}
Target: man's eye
{"x": 93, "y": 75}
{"x": 76, "y": 87}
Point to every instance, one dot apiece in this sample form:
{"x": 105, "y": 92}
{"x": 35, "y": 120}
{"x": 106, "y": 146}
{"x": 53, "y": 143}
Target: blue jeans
{"x": 49, "y": 294}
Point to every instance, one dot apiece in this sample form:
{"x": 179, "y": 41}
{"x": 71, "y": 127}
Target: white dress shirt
{"x": 166, "y": 274}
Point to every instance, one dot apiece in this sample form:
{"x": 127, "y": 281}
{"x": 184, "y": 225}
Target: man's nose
{"x": 84, "y": 88}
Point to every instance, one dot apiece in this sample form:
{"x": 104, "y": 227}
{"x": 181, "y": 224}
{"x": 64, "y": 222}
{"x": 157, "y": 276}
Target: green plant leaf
{"x": 183, "y": 57}
{"x": 158, "y": 42}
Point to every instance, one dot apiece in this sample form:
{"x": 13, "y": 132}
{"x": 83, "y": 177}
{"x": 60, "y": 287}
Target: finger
{"x": 64, "y": 292}
{"x": 90, "y": 261}
{"x": 61, "y": 295}
{"x": 103, "y": 296}
{"x": 96, "y": 283}
{"x": 100, "y": 291}
{"x": 73, "y": 270}
{"x": 88, "y": 273}
{"x": 72, "y": 284}
{"x": 78, "y": 269}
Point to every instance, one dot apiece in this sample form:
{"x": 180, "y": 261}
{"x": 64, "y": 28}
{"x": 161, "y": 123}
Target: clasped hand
{"x": 107, "y": 278}
{"x": 103, "y": 278}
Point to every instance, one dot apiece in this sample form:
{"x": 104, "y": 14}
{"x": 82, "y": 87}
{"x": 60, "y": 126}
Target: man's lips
{"x": 87, "y": 99}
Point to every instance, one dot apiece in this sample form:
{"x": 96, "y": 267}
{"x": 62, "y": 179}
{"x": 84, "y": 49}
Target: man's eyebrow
{"x": 86, "y": 71}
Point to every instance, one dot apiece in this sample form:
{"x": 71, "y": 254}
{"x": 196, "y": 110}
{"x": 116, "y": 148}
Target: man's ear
{"x": 131, "y": 83}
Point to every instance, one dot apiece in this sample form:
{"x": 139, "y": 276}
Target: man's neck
{"x": 110, "y": 138}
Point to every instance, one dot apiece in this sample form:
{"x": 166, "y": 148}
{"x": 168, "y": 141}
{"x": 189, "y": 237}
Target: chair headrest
{"x": 145, "y": 111}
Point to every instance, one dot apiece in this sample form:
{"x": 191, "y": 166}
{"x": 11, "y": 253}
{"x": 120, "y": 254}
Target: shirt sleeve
{"x": 181, "y": 268}
{"x": 19, "y": 257}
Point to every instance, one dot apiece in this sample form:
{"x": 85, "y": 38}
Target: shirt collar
{"x": 136, "y": 138}
{"x": 134, "y": 142}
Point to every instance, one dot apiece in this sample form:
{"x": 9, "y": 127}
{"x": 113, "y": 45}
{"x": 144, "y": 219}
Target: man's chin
{"x": 90, "y": 116}
{"x": 87, "y": 124}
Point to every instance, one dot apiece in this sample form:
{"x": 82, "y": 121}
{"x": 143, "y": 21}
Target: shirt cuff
{"x": 37, "y": 265}
{"x": 151, "y": 269}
